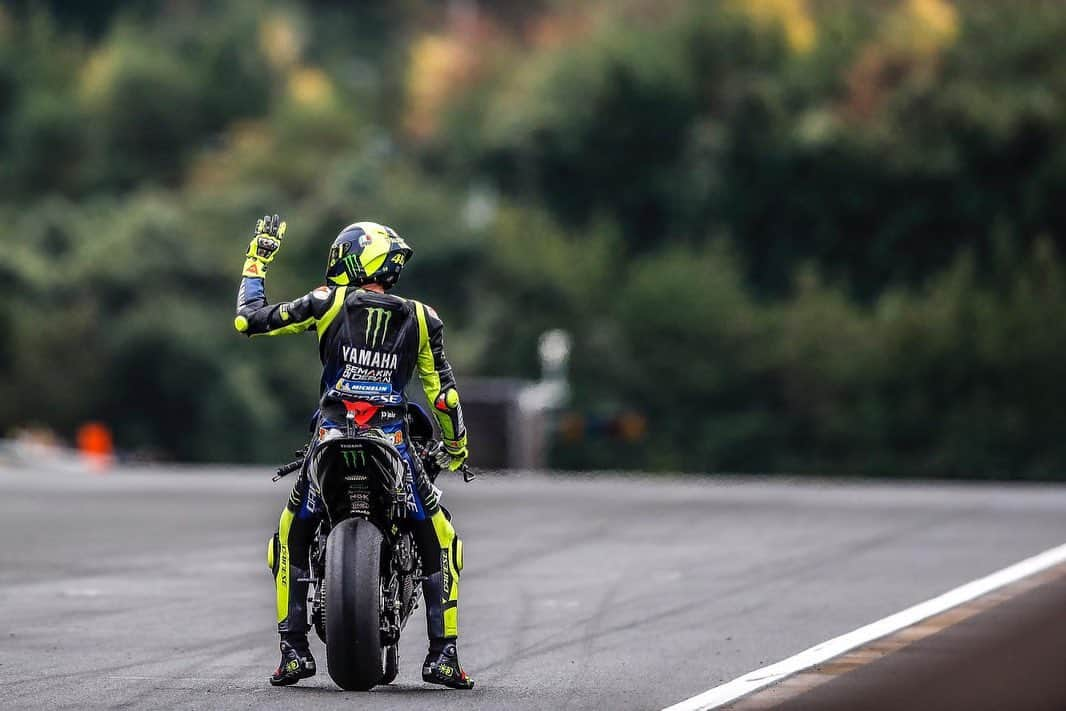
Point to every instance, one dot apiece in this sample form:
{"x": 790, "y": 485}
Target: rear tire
{"x": 353, "y": 605}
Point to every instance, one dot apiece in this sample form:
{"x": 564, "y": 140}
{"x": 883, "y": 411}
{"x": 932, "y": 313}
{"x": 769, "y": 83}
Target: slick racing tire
{"x": 353, "y": 605}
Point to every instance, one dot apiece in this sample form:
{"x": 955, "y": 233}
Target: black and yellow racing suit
{"x": 370, "y": 345}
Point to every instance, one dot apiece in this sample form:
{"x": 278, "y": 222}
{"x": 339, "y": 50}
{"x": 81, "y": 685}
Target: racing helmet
{"x": 366, "y": 252}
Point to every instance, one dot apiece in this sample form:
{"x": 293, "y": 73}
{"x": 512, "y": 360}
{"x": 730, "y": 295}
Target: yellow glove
{"x": 269, "y": 231}
{"x": 453, "y": 454}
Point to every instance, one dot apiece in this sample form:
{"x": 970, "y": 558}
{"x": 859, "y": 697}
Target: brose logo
{"x": 377, "y": 320}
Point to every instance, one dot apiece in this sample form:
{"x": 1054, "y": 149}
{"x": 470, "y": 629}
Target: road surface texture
{"x": 149, "y": 588}
{"x": 1009, "y": 656}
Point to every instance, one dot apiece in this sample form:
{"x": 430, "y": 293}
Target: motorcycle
{"x": 365, "y": 572}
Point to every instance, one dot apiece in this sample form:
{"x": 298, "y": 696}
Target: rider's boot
{"x": 442, "y": 666}
{"x": 296, "y": 663}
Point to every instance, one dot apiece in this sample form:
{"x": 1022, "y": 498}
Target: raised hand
{"x": 266, "y": 241}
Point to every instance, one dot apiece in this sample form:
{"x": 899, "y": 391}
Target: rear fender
{"x": 332, "y": 463}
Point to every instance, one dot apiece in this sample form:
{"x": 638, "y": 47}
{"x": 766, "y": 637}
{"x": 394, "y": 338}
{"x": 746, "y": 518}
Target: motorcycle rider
{"x": 370, "y": 342}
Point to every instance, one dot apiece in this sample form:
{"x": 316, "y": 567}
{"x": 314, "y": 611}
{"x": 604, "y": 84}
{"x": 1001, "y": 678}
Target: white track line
{"x": 752, "y": 681}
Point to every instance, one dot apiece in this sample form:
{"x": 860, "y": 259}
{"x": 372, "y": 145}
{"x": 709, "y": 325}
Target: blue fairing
{"x": 415, "y": 509}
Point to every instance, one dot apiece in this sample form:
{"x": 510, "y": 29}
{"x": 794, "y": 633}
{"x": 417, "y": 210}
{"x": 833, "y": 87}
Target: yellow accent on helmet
{"x": 366, "y": 252}
{"x": 374, "y": 253}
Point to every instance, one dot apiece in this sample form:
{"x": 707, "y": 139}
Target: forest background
{"x": 818, "y": 236}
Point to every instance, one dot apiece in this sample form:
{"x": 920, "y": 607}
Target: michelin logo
{"x": 362, "y": 387}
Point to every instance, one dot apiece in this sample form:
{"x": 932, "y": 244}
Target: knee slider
{"x": 272, "y": 553}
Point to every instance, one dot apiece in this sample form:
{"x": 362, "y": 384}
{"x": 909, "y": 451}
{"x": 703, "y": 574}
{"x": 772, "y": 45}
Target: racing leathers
{"x": 370, "y": 345}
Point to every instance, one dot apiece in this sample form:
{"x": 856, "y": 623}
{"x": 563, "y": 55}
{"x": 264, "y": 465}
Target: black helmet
{"x": 367, "y": 252}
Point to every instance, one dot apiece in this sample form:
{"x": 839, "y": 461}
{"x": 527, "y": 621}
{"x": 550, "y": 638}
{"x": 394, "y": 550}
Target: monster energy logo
{"x": 351, "y": 263}
{"x": 378, "y": 319}
{"x": 354, "y": 458}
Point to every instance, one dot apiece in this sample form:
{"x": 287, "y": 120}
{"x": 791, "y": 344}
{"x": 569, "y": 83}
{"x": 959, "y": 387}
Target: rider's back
{"x": 369, "y": 345}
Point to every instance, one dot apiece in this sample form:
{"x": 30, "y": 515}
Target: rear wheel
{"x": 354, "y": 652}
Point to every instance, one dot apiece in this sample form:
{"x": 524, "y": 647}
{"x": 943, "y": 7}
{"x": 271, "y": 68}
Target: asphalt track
{"x": 149, "y": 588}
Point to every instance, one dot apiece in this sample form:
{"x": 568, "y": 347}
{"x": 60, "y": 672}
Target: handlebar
{"x": 288, "y": 469}
{"x": 468, "y": 474}
{"x": 428, "y": 455}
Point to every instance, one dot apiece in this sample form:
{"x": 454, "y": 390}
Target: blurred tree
{"x": 808, "y": 236}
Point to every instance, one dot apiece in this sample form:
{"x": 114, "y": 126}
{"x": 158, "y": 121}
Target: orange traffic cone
{"x": 96, "y": 445}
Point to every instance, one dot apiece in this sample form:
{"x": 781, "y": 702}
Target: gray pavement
{"x": 149, "y": 588}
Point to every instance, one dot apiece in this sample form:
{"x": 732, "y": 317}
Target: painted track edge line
{"x": 770, "y": 674}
